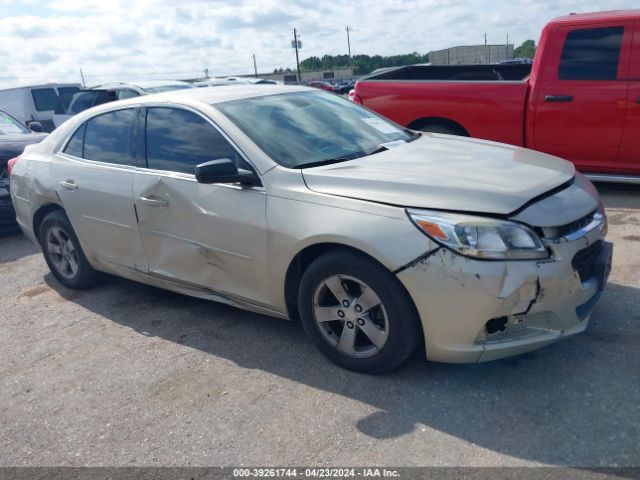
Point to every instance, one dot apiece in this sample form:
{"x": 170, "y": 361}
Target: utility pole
{"x": 82, "y": 77}
{"x": 485, "y": 48}
{"x": 295, "y": 44}
{"x": 348, "y": 28}
{"x": 255, "y": 68}
{"x": 507, "y": 48}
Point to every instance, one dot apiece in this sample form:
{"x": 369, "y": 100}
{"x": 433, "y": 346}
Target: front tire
{"x": 63, "y": 253}
{"x": 358, "y": 313}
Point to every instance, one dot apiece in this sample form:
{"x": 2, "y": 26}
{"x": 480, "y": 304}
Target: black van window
{"x": 44, "y": 99}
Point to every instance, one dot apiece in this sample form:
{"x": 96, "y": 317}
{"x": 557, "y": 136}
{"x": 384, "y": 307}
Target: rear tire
{"x": 63, "y": 253}
{"x": 370, "y": 333}
{"x": 436, "y": 127}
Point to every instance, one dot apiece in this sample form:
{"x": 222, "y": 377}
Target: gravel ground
{"x": 125, "y": 374}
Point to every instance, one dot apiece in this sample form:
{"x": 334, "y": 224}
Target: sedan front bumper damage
{"x": 479, "y": 310}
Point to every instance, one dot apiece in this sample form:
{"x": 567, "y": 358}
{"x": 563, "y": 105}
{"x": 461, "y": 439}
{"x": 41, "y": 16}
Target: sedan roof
{"x": 212, "y": 95}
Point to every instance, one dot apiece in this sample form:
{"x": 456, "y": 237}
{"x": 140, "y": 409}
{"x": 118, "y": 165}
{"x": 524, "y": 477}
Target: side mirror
{"x": 224, "y": 170}
{"x": 35, "y": 127}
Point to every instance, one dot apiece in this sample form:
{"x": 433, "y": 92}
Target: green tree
{"x": 362, "y": 64}
{"x": 527, "y": 49}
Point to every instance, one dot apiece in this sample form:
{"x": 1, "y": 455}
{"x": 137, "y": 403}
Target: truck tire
{"x": 439, "y": 127}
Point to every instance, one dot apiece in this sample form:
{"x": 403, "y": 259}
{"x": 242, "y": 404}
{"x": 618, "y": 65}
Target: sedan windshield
{"x": 306, "y": 129}
{"x": 9, "y": 125}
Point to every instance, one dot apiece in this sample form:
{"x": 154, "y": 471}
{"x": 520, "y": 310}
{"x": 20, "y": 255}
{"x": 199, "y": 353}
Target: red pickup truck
{"x": 580, "y": 100}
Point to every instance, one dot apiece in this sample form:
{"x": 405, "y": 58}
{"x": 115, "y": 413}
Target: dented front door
{"x": 211, "y": 236}
{"x": 198, "y": 235}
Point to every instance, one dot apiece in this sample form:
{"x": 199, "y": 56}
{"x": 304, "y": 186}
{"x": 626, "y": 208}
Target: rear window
{"x": 65, "y": 95}
{"x": 44, "y": 99}
{"x": 591, "y": 54}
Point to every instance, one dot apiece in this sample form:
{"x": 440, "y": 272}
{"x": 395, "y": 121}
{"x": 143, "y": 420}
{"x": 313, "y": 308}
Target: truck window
{"x": 44, "y": 99}
{"x": 591, "y": 54}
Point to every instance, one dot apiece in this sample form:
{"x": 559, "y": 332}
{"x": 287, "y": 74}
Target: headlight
{"x": 480, "y": 237}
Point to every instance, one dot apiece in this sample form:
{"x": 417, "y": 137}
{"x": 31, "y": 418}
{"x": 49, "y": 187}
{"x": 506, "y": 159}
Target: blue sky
{"x": 112, "y": 40}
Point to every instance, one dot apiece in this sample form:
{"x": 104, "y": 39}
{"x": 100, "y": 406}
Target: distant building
{"x": 472, "y": 55}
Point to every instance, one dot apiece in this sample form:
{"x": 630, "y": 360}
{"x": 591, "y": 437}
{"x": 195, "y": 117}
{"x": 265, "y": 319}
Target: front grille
{"x": 584, "y": 261}
{"x": 571, "y": 227}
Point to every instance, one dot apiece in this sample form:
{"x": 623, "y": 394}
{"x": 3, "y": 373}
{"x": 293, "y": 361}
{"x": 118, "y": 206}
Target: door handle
{"x": 69, "y": 184}
{"x": 638, "y": 99}
{"x": 154, "y": 202}
{"x": 558, "y": 98}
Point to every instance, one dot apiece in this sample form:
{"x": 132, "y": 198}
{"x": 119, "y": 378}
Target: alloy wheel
{"x": 62, "y": 252}
{"x": 350, "y": 316}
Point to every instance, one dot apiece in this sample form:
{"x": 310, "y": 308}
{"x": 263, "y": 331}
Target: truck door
{"x": 629, "y": 156}
{"x": 582, "y": 94}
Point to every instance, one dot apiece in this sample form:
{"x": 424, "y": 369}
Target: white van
{"x": 37, "y": 103}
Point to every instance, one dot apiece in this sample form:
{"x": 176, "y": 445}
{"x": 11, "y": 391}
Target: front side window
{"x": 305, "y": 129}
{"x": 44, "y": 99}
{"x": 108, "y": 137}
{"x": 591, "y": 54}
{"x": 177, "y": 140}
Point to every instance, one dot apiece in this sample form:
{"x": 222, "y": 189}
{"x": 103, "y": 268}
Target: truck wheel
{"x": 358, "y": 313}
{"x": 437, "y": 127}
{"x": 63, "y": 253}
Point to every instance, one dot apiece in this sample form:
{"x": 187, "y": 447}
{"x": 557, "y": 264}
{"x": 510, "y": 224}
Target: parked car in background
{"x": 14, "y": 136}
{"x": 216, "y": 82}
{"x": 37, "y": 103}
{"x": 322, "y": 86}
{"x": 517, "y": 60}
{"x": 342, "y": 87}
{"x": 125, "y": 90}
{"x": 83, "y": 100}
{"x": 581, "y": 100}
{"x": 299, "y": 204}
{"x": 87, "y": 98}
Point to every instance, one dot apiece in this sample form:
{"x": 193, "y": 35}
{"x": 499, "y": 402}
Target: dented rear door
{"x": 200, "y": 235}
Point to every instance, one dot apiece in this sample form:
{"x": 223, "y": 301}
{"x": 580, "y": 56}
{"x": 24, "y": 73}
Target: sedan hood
{"x": 445, "y": 173}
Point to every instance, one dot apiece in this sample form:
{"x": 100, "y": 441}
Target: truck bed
{"x": 488, "y": 101}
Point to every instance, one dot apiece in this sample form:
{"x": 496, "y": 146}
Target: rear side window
{"x": 178, "y": 140}
{"x": 591, "y": 54}
{"x": 108, "y": 137}
{"x": 74, "y": 147}
{"x": 44, "y": 99}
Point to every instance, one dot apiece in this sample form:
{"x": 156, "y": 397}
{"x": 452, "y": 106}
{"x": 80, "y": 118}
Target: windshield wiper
{"x": 320, "y": 163}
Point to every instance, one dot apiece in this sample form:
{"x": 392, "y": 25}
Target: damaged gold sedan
{"x": 298, "y": 204}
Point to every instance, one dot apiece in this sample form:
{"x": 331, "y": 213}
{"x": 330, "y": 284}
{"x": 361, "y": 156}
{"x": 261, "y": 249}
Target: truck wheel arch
{"x": 439, "y": 125}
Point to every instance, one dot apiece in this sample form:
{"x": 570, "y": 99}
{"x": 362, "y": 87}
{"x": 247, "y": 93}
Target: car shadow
{"x": 575, "y": 403}
{"x": 619, "y": 195}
